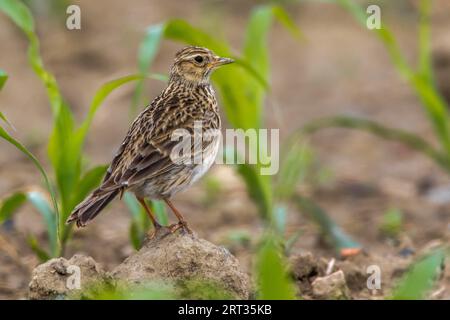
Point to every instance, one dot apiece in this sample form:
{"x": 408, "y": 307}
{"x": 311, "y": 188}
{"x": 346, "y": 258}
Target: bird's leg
{"x": 181, "y": 222}
{"x": 155, "y": 223}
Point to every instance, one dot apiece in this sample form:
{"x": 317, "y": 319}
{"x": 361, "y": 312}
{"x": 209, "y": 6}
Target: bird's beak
{"x": 221, "y": 61}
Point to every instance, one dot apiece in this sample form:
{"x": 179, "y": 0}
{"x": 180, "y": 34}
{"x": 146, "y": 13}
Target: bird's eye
{"x": 198, "y": 59}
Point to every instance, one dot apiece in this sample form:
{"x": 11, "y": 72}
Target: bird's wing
{"x": 146, "y": 150}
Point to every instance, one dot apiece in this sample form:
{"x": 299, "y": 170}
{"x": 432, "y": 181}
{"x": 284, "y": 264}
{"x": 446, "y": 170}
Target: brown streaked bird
{"x": 143, "y": 164}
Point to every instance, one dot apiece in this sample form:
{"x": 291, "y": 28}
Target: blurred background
{"x": 364, "y": 183}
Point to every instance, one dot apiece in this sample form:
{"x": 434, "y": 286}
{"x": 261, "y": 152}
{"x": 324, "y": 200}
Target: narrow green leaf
{"x": 273, "y": 280}
{"x": 37, "y": 249}
{"x": 259, "y": 189}
{"x": 284, "y": 18}
{"x": 420, "y": 278}
{"x": 3, "y": 78}
{"x": 434, "y": 105}
{"x": 425, "y": 65}
{"x": 23, "y": 18}
{"x": 413, "y": 141}
{"x": 332, "y": 233}
{"x": 19, "y": 13}
{"x": 159, "y": 209}
{"x": 140, "y": 223}
{"x": 391, "y": 222}
{"x": 181, "y": 30}
{"x": 133, "y": 206}
{"x": 35, "y": 161}
{"x": 297, "y": 160}
{"x": 40, "y": 203}
{"x": 135, "y": 235}
{"x": 10, "y": 204}
{"x": 280, "y": 216}
{"x": 291, "y": 241}
{"x": 100, "y": 95}
{"x": 147, "y": 51}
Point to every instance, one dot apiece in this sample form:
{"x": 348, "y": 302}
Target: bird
{"x": 144, "y": 162}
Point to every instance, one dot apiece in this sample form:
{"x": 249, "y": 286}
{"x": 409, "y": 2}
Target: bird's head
{"x": 194, "y": 65}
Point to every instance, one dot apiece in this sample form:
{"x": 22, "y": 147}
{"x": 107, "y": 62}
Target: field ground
{"x": 339, "y": 68}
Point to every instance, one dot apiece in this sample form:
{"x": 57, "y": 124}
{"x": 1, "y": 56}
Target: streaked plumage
{"x": 143, "y": 164}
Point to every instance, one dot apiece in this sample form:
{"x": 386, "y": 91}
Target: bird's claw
{"x": 180, "y": 225}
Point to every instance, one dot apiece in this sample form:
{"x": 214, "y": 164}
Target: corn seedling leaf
{"x": 332, "y": 233}
{"x": 391, "y": 222}
{"x": 420, "y": 278}
{"x": 10, "y": 204}
{"x": 160, "y": 212}
{"x": 297, "y": 161}
{"x": 3, "y": 78}
{"x": 413, "y": 141}
{"x": 147, "y": 51}
{"x": 279, "y": 218}
{"x": 421, "y": 81}
{"x": 100, "y": 95}
{"x": 34, "y": 160}
{"x": 274, "y": 282}
{"x": 23, "y": 18}
{"x": 425, "y": 65}
{"x": 39, "y": 201}
{"x": 259, "y": 189}
{"x": 37, "y": 249}
{"x": 140, "y": 223}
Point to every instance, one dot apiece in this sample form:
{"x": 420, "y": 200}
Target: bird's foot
{"x": 180, "y": 225}
{"x": 156, "y": 229}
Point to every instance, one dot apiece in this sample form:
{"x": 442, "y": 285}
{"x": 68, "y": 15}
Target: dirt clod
{"x": 332, "y": 287}
{"x": 57, "y": 277}
{"x": 181, "y": 258}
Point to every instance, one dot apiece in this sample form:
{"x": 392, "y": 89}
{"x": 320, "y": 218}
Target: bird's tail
{"x": 91, "y": 206}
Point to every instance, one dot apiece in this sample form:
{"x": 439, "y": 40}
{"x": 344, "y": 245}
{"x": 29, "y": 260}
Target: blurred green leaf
{"x": 273, "y": 280}
{"x": 297, "y": 161}
{"x": 140, "y": 223}
{"x": 40, "y": 203}
{"x": 332, "y": 233}
{"x": 420, "y": 277}
{"x": 35, "y": 161}
{"x": 3, "y": 78}
{"x": 291, "y": 241}
{"x": 421, "y": 81}
{"x": 181, "y": 30}
{"x": 100, "y": 95}
{"x": 391, "y": 223}
{"x": 411, "y": 140}
{"x": 106, "y": 291}
{"x": 284, "y": 18}
{"x": 147, "y": 51}
{"x": 159, "y": 209}
{"x": 425, "y": 65}
{"x": 203, "y": 290}
{"x": 10, "y": 204}
{"x": 19, "y": 13}
{"x": 37, "y": 249}
{"x": 22, "y": 17}
{"x": 3, "y": 117}
{"x": 259, "y": 188}
{"x": 135, "y": 235}
{"x": 280, "y": 218}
